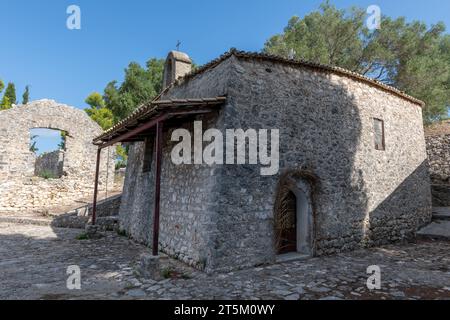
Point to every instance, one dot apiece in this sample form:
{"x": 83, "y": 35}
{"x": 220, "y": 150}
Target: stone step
{"x": 441, "y": 213}
{"x": 439, "y": 229}
{"x": 32, "y": 221}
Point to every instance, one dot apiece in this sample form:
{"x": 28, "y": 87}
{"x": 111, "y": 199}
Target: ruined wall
{"x": 222, "y": 216}
{"x": 438, "y": 149}
{"x": 20, "y": 189}
{"x": 49, "y": 163}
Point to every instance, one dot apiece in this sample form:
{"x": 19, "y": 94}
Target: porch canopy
{"x": 145, "y": 122}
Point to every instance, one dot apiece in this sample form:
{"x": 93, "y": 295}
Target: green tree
{"x": 98, "y": 112}
{"x": 26, "y": 95}
{"x": 62, "y": 144}
{"x": 410, "y": 56}
{"x": 103, "y": 116}
{"x": 9, "y": 98}
{"x": 5, "y": 103}
{"x": 140, "y": 85}
{"x": 122, "y": 157}
{"x": 10, "y": 92}
{"x": 33, "y": 142}
{"x": 2, "y": 85}
{"x": 95, "y": 100}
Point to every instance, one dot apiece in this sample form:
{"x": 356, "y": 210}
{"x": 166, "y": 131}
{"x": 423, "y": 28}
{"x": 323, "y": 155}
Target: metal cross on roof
{"x": 178, "y": 45}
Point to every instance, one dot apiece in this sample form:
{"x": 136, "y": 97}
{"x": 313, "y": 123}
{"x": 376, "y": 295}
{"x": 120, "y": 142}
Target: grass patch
{"x": 169, "y": 273}
{"x": 48, "y": 175}
{"x": 122, "y": 233}
{"x": 82, "y": 236}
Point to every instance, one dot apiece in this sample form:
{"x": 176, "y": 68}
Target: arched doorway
{"x": 294, "y": 219}
{"x": 286, "y": 224}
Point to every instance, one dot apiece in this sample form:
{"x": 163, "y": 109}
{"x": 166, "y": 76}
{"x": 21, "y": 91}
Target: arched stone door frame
{"x": 302, "y": 184}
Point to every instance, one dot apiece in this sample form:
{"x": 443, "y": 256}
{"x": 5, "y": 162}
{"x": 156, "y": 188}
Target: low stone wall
{"x": 50, "y": 164}
{"x": 438, "y": 150}
{"x": 441, "y": 195}
{"x": 108, "y": 207}
{"x": 107, "y": 215}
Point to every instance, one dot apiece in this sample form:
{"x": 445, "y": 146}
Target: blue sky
{"x": 66, "y": 65}
{"x": 47, "y": 140}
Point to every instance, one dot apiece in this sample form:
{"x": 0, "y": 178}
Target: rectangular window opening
{"x": 148, "y": 155}
{"x": 378, "y": 126}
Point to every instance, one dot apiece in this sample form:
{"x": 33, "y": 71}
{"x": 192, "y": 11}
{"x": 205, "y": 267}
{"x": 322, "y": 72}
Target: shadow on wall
{"x": 326, "y": 131}
{"x": 326, "y": 128}
{"x": 320, "y": 131}
{"x": 399, "y": 216}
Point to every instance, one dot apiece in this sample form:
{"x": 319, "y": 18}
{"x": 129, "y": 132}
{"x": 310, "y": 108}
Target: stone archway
{"x": 24, "y": 191}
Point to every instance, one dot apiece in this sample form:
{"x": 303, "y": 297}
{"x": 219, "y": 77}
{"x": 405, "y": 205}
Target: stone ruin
{"x": 438, "y": 148}
{"x": 22, "y": 189}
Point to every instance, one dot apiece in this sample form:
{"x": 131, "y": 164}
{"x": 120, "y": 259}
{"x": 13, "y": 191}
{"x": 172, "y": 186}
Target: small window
{"x": 48, "y": 147}
{"x": 378, "y": 126}
{"x": 148, "y": 155}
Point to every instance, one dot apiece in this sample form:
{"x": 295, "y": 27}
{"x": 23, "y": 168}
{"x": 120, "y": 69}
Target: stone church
{"x": 352, "y": 163}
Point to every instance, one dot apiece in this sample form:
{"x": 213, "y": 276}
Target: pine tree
{"x": 5, "y": 103}
{"x": 26, "y": 95}
{"x": 9, "y": 98}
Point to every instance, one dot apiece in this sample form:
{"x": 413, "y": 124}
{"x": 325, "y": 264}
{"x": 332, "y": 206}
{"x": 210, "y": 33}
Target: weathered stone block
{"x": 93, "y": 231}
{"x": 149, "y": 266}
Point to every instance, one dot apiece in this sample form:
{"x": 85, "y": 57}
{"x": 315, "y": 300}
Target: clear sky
{"x": 66, "y": 65}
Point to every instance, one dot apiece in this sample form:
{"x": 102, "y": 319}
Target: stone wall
{"x": 362, "y": 196}
{"x": 20, "y": 189}
{"x": 438, "y": 149}
{"x": 221, "y": 217}
{"x": 187, "y": 192}
{"x": 50, "y": 164}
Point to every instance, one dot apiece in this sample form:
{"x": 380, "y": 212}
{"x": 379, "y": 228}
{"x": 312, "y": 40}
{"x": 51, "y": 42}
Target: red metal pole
{"x": 158, "y": 143}
{"x": 97, "y": 171}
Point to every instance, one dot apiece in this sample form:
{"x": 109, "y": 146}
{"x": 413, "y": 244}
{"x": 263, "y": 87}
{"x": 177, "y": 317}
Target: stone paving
{"x": 34, "y": 261}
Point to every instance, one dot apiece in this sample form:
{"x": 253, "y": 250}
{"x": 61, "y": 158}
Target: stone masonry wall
{"x": 221, "y": 217}
{"x": 438, "y": 149}
{"x": 20, "y": 189}
{"x": 362, "y": 197}
{"x": 187, "y": 191}
{"x": 50, "y": 163}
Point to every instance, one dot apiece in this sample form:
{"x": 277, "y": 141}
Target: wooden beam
{"x": 158, "y": 143}
{"x": 97, "y": 173}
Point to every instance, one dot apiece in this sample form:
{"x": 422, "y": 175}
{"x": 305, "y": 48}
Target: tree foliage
{"x": 95, "y": 100}
{"x": 140, "y": 85}
{"x": 9, "y": 98}
{"x": 26, "y": 95}
{"x": 98, "y": 112}
{"x": 408, "y": 55}
{"x": 5, "y": 103}
{"x": 33, "y": 142}
{"x": 2, "y": 85}
{"x": 118, "y": 101}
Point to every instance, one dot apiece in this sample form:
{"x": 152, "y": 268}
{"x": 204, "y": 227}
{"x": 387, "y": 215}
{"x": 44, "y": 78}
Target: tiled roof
{"x": 264, "y": 57}
{"x": 151, "y": 110}
{"x": 302, "y": 63}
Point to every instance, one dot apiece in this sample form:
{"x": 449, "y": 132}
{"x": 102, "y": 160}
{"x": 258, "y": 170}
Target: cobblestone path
{"x": 34, "y": 261}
